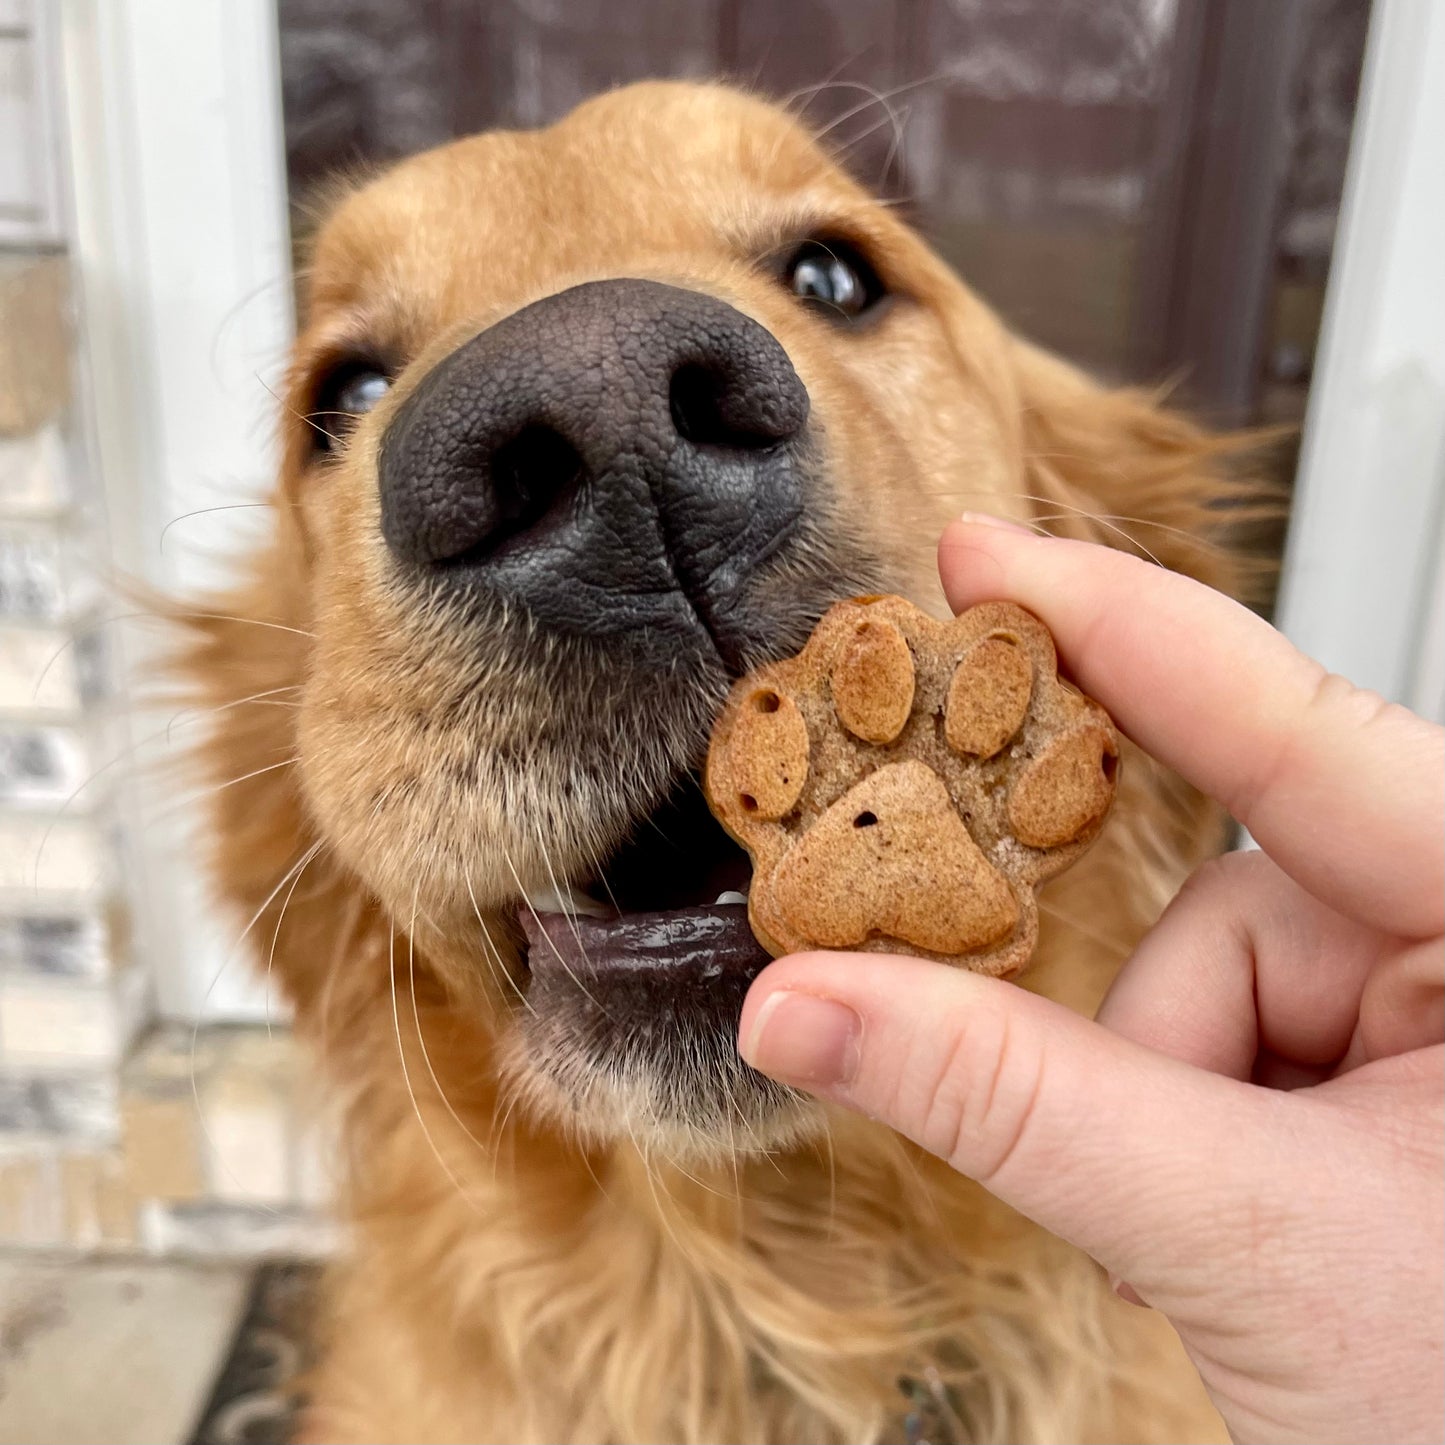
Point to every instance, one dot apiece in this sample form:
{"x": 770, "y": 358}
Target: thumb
{"x": 1138, "y": 1158}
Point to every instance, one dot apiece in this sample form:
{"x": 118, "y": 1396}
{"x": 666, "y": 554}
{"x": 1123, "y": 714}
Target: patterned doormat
{"x": 256, "y": 1399}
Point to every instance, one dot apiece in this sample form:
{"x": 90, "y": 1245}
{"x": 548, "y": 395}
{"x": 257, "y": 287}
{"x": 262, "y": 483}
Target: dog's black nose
{"x": 619, "y": 458}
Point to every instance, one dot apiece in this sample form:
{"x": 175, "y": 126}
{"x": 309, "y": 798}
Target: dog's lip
{"x": 679, "y": 948}
{"x": 667, "y": 904}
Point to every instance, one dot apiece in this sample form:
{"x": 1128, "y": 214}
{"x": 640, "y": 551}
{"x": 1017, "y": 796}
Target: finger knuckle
{"x": 979, "y": 1108}
{"x": 1333, "y": 702}
{"x": 1223, "y": 874}
{"x": 1203, "y": 881}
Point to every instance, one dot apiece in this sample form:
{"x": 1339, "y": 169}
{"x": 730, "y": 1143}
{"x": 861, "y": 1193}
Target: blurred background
{"x": 1244, "y": 198}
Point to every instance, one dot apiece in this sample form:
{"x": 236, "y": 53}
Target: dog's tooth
{"x": 546, "y": 900}
{"x": 566, "y": 900}
{"x": 730, "y": 897}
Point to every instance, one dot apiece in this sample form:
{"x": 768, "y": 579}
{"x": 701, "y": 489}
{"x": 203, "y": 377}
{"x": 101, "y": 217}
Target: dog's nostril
{"x": 524, "y": 478}
{"x": 528, "y": 474}
{"x": 708, "y": 410}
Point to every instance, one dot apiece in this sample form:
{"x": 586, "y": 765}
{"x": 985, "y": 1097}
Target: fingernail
{"x": 983, "y": 519}
{"x": 799, "y": 1039}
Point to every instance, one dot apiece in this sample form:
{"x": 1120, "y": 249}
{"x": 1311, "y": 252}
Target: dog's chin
{"x": 660, "y": 1073}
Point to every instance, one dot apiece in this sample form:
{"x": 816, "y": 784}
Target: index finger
{"x": 1345, "y": 791}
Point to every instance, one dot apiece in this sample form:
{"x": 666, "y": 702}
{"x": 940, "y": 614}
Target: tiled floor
{"x": 120, "y": 1352}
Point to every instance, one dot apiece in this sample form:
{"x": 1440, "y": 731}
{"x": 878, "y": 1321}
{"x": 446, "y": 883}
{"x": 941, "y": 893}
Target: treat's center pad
{"x": 892, "y": 857}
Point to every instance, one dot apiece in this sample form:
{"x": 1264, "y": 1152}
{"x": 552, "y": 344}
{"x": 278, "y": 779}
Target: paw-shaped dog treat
{"x": 903, "y": 784}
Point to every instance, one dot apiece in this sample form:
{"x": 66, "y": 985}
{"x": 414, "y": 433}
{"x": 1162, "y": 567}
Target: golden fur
{"x": 513, "y": 1274}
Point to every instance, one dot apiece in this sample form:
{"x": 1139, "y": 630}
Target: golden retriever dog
{"x": 582, "y": 423}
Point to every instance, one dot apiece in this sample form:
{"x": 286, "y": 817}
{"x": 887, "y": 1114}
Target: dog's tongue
{"x": 701, "y": 944}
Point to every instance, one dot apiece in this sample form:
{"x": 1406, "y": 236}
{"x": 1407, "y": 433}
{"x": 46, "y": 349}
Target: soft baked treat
{"x": 903, "y": 784}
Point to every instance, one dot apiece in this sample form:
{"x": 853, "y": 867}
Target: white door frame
{"x": 1364, "y": 578}
{"x": 181, "y": 242}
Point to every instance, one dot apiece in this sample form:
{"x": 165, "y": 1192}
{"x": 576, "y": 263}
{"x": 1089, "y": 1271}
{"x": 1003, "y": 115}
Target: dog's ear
{"x": 1119, "y": 467}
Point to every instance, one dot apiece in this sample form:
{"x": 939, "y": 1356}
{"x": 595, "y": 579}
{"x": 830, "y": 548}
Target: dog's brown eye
{"x": 345, "y": 393}
{"x": 833, "y": 274}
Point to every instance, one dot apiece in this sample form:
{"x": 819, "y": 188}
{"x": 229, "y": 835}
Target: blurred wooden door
{"x": 1148, "y": 186}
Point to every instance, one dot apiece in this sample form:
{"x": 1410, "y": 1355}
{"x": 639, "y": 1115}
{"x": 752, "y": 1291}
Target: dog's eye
{"x": 346, "y": 392}
{"x": 833, "y": 274}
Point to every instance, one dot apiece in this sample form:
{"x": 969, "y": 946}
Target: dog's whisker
{"x": 188, "y": 715}
{"x": 184, "y": 804}
{"x": 286, "y": 406}
{"x": 663, "y": 1202}
{"x": 795, "y": 100}
{"x": 406, "y": 1078}
{"x": 883, "y": 98}
{"x": 77, "y": 633}
{"x": 890, "y": 118}
{"x": 124, "y": 755}
{"x": 693, "y": 1179}
{"x": 128, "y": 752}
{"x": 754, "y": 1141}
{"x": 493, "y": 954}
{"x": 421, "y": 1039}
{"x": 732, "y": 1157}
{"x": 276, "y": 932}
{"x": 569, "y": 909}
{"x": 1101, "y": 520}
{"x": 537, "y": 918}
{"x": 1110, "y": 521}
{"x": 597, "y": 868}
{"x": 895, "y": 147}
{"x": 205, "y": 512}
{"x": 1178, "y": 532}
{"x": 1076, "y": 925}
{"x": 245, "y": 621}
{"x": 333, "y": 970}
{"x": 898, "y": 120}
{"x": 500, "y": 1133}
{"x": 832, "y": 1158}
{"x": 278, "y": 281}
{"x": 206, "y": 998}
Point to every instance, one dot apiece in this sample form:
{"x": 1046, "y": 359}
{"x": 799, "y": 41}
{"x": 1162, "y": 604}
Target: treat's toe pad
{"x": 873, "y": 681}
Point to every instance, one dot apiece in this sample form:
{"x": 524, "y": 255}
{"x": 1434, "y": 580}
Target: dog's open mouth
{"x": 668, "y": 909}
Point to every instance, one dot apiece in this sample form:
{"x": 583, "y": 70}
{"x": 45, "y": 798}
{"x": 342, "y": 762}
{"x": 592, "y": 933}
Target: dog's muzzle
{"x": 618, "y": 460}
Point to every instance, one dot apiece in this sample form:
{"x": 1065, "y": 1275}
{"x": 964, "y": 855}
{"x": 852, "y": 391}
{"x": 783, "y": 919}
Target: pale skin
{"x": 1251, "y": 1136}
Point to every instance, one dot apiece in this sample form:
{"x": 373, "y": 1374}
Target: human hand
{"x": 1252, "y": 1134}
